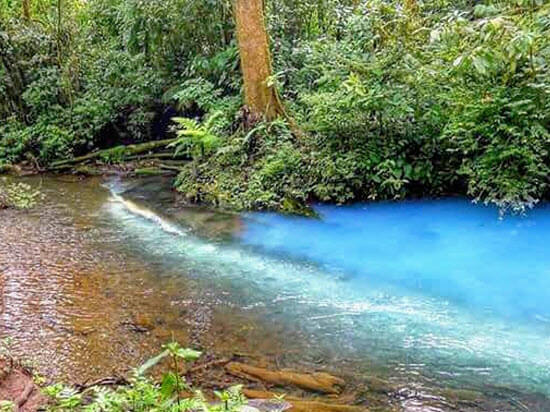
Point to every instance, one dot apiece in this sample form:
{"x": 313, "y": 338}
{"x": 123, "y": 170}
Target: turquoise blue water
{"x": 444, "y": 283}
{"x": 450, "y": 250}
{"x": 439, "y": 291}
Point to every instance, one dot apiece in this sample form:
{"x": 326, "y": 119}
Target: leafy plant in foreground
{"x": 143, "y": 394}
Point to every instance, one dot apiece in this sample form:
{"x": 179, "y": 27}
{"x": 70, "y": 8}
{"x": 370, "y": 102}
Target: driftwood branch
{"x": 318, "y": 382}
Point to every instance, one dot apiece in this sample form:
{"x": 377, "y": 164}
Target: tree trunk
{"x": 261, "y": 99}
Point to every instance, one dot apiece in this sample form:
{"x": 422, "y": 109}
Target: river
{"x": 441, "y": 299}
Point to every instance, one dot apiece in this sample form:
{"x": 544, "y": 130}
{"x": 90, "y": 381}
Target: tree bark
{"x": 261, "y": 99}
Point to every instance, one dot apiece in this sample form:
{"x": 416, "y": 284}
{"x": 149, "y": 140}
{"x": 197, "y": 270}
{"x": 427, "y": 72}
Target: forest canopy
{"x": 380, "y": 99}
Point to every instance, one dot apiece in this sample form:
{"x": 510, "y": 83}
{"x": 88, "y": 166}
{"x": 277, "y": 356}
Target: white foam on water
{"x": 148, "y": 214}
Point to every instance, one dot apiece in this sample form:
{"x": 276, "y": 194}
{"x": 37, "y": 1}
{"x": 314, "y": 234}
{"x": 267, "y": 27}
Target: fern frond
{"x": 211, "y": 121}
{"x": 186, "y": 122}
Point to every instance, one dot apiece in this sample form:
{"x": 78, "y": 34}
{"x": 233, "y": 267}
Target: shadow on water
{"x": 102, "y": 274}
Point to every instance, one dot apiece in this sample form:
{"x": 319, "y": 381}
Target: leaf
{"x": 152, "y": 362}
{"x": 168, "y": 385}
{"x": 480, "y": 64}
{"x": 408, "y": 170}
{"x": 458, "y": 61}
{"x": 208, "y": 125}
{"x": 188, "y": 354}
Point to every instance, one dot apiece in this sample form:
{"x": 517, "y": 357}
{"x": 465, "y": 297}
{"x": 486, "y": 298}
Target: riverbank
{"x": 263, "y": 388}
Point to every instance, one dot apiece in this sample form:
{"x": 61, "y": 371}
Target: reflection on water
{"x": 99, "y": 277}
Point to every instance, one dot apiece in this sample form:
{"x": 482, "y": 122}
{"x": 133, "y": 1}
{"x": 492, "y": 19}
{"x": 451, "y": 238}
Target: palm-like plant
{"x": 198, "y": 139}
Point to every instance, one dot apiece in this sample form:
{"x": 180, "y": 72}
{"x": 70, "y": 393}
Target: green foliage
{"x": 143, "y": 394}
{"x": 195, "y": 138}
{"x": 504, "y": 147}
{"x": 199, "y": 92}
{"x": 451, "y": 98}
{"x": 7, "y": 406}
{"x": 260, "y": 170}
{"x": 18, "y": 195}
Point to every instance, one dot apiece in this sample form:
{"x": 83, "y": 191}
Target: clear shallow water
{"x": 84, "y": 296}
{"x": 439, "y": 292}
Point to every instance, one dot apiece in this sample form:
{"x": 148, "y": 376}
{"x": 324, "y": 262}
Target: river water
{"x": 441, "y": 299}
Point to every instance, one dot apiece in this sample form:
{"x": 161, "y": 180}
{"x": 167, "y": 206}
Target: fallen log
{"x": 153, "y": 171}
{"x": 130, "y": 150}
{"x": 304, "y": 405}
{"x": 170, "y": 167}
{"x": 318, "y": 382}
{"x": 163, "y": 155}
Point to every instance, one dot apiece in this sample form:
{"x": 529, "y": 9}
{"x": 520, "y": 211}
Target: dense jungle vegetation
{"x": 381, "y": 99}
